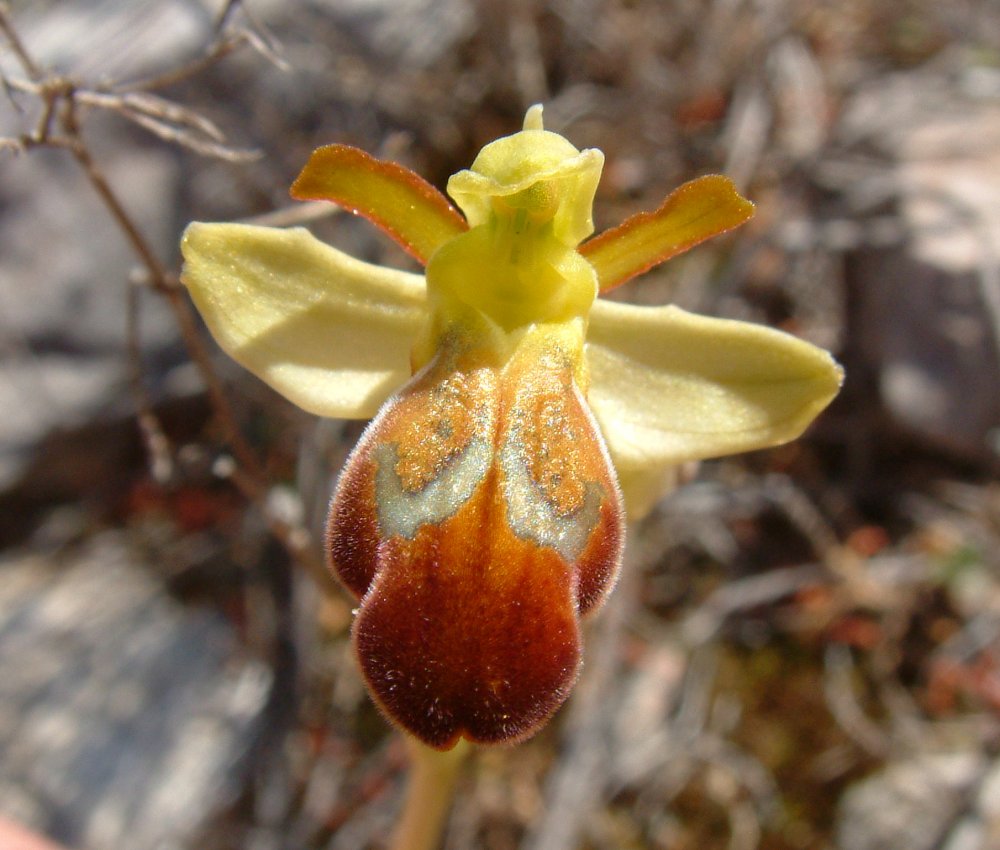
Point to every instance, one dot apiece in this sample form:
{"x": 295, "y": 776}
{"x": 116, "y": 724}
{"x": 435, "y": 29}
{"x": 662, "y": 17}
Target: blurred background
{"x": 804, "y": 651}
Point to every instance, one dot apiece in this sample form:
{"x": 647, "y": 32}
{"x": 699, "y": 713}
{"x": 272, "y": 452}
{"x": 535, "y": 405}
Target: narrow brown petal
{"x": 692, "y": 213}
{"x": 397, "y": 200}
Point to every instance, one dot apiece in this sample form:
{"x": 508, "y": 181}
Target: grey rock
{"x": 928, "y": 307}
{"x": 913, "y": 804}
{"x": 66, "y": 262}
{"x": 64, "y": 272}
{"x": 125, "y": 718}
{"x": 925, "y": 332}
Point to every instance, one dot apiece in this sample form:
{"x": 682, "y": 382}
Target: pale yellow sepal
{"x": 668, "y": 387}
{"x": 644, "y": 487}
{"x": 330, "y": 333}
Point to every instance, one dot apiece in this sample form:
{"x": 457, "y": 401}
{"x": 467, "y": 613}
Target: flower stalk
{"x": 429, "y": 792}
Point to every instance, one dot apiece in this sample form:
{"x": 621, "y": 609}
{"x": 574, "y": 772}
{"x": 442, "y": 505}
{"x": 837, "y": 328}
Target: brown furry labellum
{"x": 478, "y": 518}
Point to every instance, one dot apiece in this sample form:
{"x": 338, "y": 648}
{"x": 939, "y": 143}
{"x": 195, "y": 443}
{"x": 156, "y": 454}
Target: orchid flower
{"x": 480, "y": 515}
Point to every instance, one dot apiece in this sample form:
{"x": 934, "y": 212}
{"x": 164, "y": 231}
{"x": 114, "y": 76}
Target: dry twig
{"x": 59, "y": 126}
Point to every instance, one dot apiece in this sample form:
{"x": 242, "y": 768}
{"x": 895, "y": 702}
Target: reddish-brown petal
{"x": 397, "y": 200}
{"x": 692, "y": 213}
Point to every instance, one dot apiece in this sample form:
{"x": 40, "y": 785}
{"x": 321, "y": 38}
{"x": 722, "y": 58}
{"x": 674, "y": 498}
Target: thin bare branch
{"x": 15, "y": 84}
{"x": 258, "y": 39}
{"x": 31, "y": 68}
{"x": 258, "y": 35}
{"x": 224, "y": 17}
{"x": 8, "y": 91}
{"x": 246, "y": 474}
{"x": 217, "y": 52}
{"x": 59, "y": 127}
{"x": 300, "y": 213}
{"x": 27, "y": 142}
{"x": 186, "y": 139}
{"x": 799, "y": 508}
{"x": 81, "y": 153}
{"x": 268, "y": 49}
{"x": 158, "y": 447}
{"x": 298, "y": 542}
{"x": 51, "y": 91}
{"x": 154, "y": 106}
{"x": 43, "y": 130}
{"x": 705, "y": 621}
{"x": 838, "y": 688}
{"x": 163, "y": 281}
{"x": 155, "y": 114}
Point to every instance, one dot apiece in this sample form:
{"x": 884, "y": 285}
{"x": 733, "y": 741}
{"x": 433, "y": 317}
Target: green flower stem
{"x": 429, "y": 793}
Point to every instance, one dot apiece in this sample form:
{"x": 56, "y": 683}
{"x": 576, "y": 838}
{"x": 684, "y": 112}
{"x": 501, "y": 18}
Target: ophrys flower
{"x": 480, "y": 516}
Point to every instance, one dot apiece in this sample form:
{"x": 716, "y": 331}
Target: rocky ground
{"x": 805, "y": 650}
